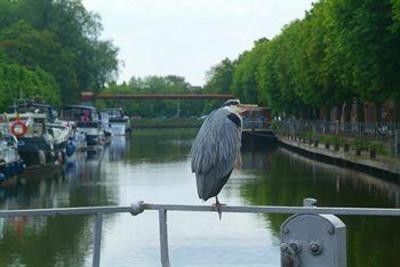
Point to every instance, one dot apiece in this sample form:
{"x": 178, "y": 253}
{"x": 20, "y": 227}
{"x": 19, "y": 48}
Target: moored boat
{"x": 42, "y": 138}
{"x": 88, "y": 123}
{"x": 11, "y": 163}
{"x": 118, "y": 120}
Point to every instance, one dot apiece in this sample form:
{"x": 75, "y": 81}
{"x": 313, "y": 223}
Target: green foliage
{"x": 244, "y": 84}
{"x": 341, "y": 50}
{"x": 360, "y": 144}
{"x": 153, "y": 108}
{"x": 219, "y": 81}
{"x": 17, "y": 81}
{"x": 331, "y": 139}
{"x": 308, "y": 135}
{"x": 60, "y": 38}
{"x": 378, "y": 147}
{"x": 167, "y": 123}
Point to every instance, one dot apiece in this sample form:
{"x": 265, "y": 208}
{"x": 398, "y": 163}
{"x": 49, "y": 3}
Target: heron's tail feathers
{"x": 203, "y": 189}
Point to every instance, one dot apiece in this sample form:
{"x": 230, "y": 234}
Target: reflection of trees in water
{"x": 289, "y": 178}
{"x": 45, "y": 242}
{"x": 59, "y": 240}
{"x": 160, "y": 145}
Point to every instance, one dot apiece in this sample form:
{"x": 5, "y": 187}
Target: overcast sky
{"x": 187, "y": 37}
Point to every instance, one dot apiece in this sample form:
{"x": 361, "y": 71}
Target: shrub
{"x": 360, "y": 144}
{"x": 377, "y": 147}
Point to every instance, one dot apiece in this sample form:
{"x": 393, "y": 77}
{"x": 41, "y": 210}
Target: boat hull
{"x": 36, "y": 151}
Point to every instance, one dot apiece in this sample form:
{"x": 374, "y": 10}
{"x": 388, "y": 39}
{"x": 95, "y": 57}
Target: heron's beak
{"x": 245, "y": 107}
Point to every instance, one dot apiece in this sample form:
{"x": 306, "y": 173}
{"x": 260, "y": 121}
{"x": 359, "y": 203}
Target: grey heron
{"x": 216, "y": 149}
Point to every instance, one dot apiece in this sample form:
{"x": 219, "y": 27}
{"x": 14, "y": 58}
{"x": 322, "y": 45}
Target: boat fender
{"x": 20, "y": 167}
{"x": 60, "y": 157}
{"x": 42, "y": 157}
{"x": 18, "y": 128}
{"x": 2, "y": 177}
{"x": 70, "y": 149}
{"x": 13, "y": 168}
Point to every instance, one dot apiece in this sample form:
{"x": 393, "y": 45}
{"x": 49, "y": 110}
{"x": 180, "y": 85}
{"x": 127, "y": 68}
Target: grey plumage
{"x": 214, "y": 152}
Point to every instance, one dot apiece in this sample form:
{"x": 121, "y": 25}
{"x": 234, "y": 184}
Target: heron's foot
{"x": 218, "y": 207}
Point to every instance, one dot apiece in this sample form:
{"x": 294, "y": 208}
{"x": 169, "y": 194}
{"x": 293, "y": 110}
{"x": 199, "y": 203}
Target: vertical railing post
{"x": 163, "y": 238}
{"x": 97, "y": 240}
{"x": 396, "y": 143}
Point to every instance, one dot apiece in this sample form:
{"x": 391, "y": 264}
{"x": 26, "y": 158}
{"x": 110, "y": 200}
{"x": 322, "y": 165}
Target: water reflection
{"x": 160, "y": 145}
{"x": 118, "y": 148}
{"x": 288, "y": 178}
{"x": 54, "y": 240}
{"x": 154, "y": 165}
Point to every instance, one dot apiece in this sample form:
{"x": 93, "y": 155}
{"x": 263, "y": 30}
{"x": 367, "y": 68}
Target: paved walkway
{"x": 389, "y": 164}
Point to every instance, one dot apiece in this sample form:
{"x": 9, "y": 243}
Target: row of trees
{"x": 153, "y": 108}
{"x": 51, "y": 49}
{"x": 341, "y": 51}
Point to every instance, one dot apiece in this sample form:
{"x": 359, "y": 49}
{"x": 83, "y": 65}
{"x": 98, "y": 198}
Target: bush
{"x": 377, "y": 147}
{"x": 360, "y": 144}
{"x": 331, "y": 140}
{"x": 307, "y": 135}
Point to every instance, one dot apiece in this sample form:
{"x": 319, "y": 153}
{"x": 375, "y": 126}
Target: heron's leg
{"x": 218, "y": 206}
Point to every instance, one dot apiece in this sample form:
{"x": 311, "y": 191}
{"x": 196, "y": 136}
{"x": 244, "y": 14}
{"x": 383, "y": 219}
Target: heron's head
{"x": 233, "y": 105}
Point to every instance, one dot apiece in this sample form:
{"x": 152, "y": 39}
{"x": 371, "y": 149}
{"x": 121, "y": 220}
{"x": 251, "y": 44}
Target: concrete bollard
{"x": 313, "y": 240}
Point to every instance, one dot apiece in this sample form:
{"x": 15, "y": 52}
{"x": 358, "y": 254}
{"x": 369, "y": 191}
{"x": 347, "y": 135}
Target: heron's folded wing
{"x": 216, "y": 146}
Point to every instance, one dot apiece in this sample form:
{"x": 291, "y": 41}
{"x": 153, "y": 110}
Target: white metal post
{"x": 97, "y": 240}
{"x": 163, "y": 238}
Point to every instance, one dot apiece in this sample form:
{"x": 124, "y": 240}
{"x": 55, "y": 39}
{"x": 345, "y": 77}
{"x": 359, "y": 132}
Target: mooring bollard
{"x": 313, "y": 240}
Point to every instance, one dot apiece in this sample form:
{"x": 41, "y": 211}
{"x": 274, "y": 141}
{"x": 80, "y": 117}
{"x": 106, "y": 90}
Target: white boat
{"x": 11, "y": 163}
{"x": 88, "y": 123}
{"x": 105, "y": 122}
{"x": 119, "y": 122}
{"x": 42, "y": 138}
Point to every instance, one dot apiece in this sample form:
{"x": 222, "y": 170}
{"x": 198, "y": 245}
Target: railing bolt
{"x": 284, "y": 247}
{"x": 286, "y": 231}
{"x": 331, "y": 231}
{"x": 315, "y": 248}
{"x": 295, "y": 246}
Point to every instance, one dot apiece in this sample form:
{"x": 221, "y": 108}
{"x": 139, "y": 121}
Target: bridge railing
{"x": 290, "y": 250}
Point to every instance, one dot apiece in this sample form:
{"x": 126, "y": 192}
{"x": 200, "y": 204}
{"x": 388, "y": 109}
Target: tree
{"x": 219, "y": 81}
{"x": 244, "y": 84}
{"x": 17, "y": 81}
{"x": 62, "y": 38}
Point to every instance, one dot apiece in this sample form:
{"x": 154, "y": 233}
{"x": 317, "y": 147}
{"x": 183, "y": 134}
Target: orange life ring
{"x": 18, "y": 128}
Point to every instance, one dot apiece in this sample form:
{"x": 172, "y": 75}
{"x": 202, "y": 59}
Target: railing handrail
{"x": 140, "y": 206}
{"x": 356, "y": 211}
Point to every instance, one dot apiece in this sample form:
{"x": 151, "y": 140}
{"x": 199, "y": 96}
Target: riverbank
{"x": 166, "y": 123}
{"x": 388, "y": 167}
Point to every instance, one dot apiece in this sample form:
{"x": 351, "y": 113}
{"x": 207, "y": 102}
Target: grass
{"x": 167, "y": 123}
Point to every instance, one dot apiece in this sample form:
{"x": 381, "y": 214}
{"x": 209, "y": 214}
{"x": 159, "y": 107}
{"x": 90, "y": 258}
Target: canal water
{"x": 154, "y": 166}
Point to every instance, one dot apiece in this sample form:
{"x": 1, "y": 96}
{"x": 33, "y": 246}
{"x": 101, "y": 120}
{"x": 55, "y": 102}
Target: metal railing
{"x": 139, "y": 207}
{"x": 255, "y": 124}
{"x": 386, "y": 133}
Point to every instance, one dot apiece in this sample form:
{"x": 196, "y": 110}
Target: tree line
{"x": 341, "y": 52}
{"x": 51, "y": 49}
{"x": 170, "y": 84}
